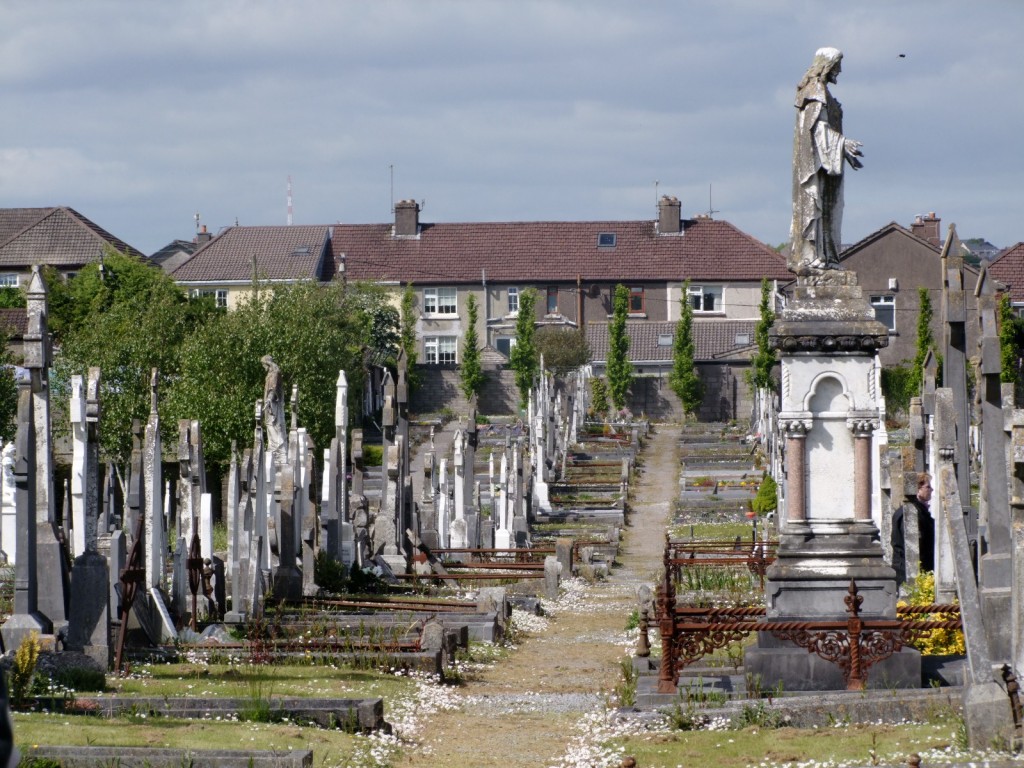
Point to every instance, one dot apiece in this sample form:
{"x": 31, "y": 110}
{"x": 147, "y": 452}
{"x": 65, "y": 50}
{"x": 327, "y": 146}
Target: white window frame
{"x": 10, "y": 280}
{"x": 886, "y": 302}
{"x": 441, "y": 350}
{"x": 440, "y": 301}
{"x": 219, "y": 296}
{"x": 698, "y": 295}
{"x": 513, "y": 300}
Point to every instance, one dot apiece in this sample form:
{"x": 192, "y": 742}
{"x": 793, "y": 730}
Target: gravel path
{"x": 537, "y": 706}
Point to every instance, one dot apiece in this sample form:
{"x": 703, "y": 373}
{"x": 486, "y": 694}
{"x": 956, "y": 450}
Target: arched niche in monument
{"x": 829, "y": 450}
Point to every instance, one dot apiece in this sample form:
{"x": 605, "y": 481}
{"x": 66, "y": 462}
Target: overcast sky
{"x": 140, "y": 114}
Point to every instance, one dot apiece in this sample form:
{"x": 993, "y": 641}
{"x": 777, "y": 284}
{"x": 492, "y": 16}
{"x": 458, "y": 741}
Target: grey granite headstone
{"x": 89, "y": 623}
{"x": 552, "y": 577}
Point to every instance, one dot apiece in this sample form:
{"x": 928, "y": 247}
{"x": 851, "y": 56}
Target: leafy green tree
{"x": 8, "y": 391}
{"x": 1011, "y": 340}
{"x": 127, "y": 319}
{"x": 471, "y": 372}
{"x": 311, "y": 330}
{"x": 618, "y": 369}
{"x": 11, "y": 297}
{"x": 523, "y": 356}
{"x": 407, "y": 340}
{"x": 684, "y": 380}
{"x": 925, "y": 341}
{"x": 764, "y": 359}
{"x": 564, "y": 349}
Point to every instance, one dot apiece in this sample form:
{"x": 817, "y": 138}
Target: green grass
{"x": 236, "y": 681}
{"x": 254, "y": 685}
{"x": 855, "y": 744}
{"x": 330, "y": 747}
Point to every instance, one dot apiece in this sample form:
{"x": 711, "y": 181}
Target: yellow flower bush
{"x": 938, "y": 642}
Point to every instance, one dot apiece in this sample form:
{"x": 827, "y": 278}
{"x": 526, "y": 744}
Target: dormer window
{"x": 606, "y": 240}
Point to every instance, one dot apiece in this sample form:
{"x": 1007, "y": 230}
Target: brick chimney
{"x": 203, "y": 237}
{"x": 927, "y": 228}
{"x": 407, "y": 218}
{"x": 669, "y": 215}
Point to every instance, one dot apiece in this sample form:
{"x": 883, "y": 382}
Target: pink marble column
{"x": 862, "y": 430}
{"x": 796, "y": 471}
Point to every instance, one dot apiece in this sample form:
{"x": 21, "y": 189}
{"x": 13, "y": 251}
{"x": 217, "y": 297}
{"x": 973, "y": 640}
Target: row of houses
{"x": 573, "y": 267}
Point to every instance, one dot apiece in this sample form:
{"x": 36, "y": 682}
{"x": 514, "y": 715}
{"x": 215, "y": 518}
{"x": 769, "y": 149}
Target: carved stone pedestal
{"x": 809, "y": 583}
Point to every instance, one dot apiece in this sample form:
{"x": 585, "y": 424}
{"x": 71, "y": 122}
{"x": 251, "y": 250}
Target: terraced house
{"x": 59, "y": 236}
{"x": 573, "y": 266}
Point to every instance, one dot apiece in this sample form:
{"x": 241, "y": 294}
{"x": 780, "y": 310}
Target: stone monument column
{"x": 796, "y": 471}
{"x": 862, "y": 430}
{"x": 828, "y": 340}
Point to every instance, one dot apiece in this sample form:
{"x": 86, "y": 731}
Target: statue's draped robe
{"x": 818, "y": 155}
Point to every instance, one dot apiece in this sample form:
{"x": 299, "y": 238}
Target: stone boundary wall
{"x": 439, "y": 388}
{"x": 726, "y": 394}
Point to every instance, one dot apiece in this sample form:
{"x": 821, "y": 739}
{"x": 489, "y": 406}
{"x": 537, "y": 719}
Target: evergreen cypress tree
{"x": 523, "y": 357}
{"x": 619, "y": 369}
{"x": 471, "y": 373}
{"x": 683, "y": 379}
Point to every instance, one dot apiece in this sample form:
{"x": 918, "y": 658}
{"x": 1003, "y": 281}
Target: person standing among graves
{"x": 819, "y": 152}
{"x": 925, "y": 529}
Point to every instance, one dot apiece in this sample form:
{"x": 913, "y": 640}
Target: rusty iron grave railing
{"x": 755, "y": 557}
{"x": 854, "y": 644}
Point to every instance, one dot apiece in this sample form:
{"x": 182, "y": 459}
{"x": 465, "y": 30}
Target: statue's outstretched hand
{"x": 852, "y": 151}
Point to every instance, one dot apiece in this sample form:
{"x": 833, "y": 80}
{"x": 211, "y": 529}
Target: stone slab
{"x": 354, "y": 714}
{"x": 794, "y": 669}
{"x": 146, "y": 757}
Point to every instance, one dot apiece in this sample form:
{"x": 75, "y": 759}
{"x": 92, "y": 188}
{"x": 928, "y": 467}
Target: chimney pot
{"x": 407, "y": 218}
{"x": 669, "y": 221}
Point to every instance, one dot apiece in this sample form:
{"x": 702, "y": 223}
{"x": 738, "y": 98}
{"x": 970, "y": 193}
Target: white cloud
{"x": 143, "y": 113}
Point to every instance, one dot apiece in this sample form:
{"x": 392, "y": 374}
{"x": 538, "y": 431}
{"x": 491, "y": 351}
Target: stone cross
{"x": 51, "y": 568}
{"x": 156, "y": 544}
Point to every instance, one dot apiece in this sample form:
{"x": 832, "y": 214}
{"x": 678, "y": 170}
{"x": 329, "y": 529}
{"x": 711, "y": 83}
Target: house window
{"x": 606, "y": 240}
{"x": 706, "y": 298}
{"x": 504, "y": 345}
{"x": 219, "y": 296}
{"x": 552, "y": 300}
{"x": 9, "y": 280}
{"x": 664, "y": 339}
{"x": 636, "y": 300}
{"x": 885, "y": 310}
{"x": 439, "y": 350}
{"x": 513, "y": 300}
{"x": 439, "y": 301}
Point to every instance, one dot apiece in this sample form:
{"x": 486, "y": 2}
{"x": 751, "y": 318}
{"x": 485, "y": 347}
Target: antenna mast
{"x": 289, "y": 199}
{"x": 391, "y": 171}
{"x": 711, "y": 208}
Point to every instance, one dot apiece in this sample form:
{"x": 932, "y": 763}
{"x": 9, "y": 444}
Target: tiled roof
{"x": 281, "y": 253}
{"x": 61, "y": 237}
{"x": 715, "y": 340}
{"x": 881, "y": 232}
{"x": 14, "y": 321}
{"x": 1008, "y": 268}
{"x": 554, "y": 251}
